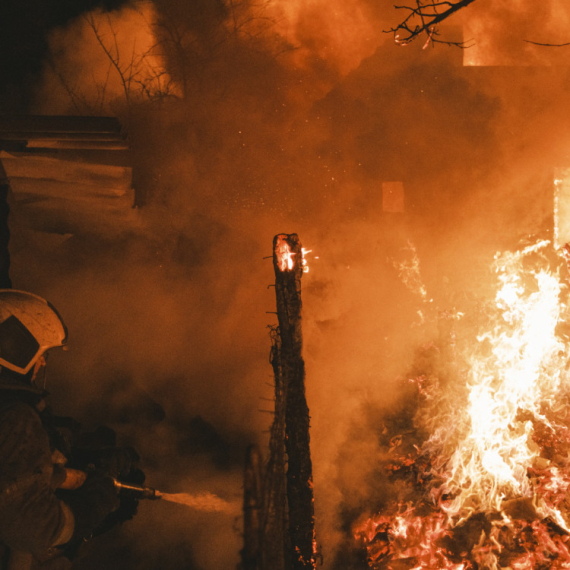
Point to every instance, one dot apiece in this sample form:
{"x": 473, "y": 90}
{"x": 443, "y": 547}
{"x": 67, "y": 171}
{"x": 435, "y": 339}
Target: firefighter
{"x": 36, "y": 524}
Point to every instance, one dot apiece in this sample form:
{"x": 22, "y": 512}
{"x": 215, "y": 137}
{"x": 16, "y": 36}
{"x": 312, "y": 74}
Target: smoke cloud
{"x": 292, "y": 131}
{"x": 501, "y": 33}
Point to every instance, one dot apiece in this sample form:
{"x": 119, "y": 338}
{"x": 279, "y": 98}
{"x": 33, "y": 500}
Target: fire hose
{"x": 74, "y": 478}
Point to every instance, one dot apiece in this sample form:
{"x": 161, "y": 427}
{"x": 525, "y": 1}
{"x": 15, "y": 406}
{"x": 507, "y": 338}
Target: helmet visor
{"x": 17, "y": 344}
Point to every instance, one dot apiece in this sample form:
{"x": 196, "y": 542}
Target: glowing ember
{"x": 304, "y": 260}
{"x": 487, "y": 486}
{"x": 286, "y": 257}
{"x": 409, "y": 271}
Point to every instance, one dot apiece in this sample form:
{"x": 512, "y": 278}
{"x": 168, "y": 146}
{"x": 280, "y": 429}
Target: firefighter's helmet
{"x": 29, "y": 326}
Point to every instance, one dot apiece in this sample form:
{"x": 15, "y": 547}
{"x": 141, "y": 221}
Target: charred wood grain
{"x": 292, "y": 369}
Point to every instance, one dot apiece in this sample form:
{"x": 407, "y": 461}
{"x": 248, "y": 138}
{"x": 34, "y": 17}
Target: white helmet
{"x": 29, "y": 326}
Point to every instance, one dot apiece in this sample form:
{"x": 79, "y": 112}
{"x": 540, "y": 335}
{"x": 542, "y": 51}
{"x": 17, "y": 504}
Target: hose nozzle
{"x": 74, "y": 478}
{"x": 138, "y": 491}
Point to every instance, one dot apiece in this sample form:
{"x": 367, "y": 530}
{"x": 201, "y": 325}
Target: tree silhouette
{"x": 423, "y": 20}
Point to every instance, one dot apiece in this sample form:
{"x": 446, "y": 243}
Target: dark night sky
{"x": 23, "y": 47}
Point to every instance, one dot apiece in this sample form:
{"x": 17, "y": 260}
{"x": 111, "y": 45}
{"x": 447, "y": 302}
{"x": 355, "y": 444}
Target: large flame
{"x": 494, "y": 449}
{"x": 498, "y": 437}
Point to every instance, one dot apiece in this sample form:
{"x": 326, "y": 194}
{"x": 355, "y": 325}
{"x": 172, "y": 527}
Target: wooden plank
{"x": 58, "y": 124}
{"x": 29, "y": 135}
{"x": 5, "y": 281}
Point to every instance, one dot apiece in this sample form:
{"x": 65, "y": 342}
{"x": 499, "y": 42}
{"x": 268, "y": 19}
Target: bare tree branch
{"x": 430, "y": 13}
{"x": 76, "y": 97}
{"x": 547, "y": 45}
{"x": 186, "y": 59}
{"x": 113, "y": 58}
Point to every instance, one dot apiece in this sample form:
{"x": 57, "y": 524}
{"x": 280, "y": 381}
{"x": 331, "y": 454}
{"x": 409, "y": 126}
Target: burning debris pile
{"x": 478, "y": 455}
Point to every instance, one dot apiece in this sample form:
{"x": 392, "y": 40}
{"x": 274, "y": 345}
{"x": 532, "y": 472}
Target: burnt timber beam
{"x": 43, "y": 124}
{"x": 252, "y": 499}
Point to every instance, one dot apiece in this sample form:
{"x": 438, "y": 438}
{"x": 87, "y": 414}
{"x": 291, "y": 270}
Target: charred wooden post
{"x": 5, "y": 282}
{"x": 252, "y": 498}
{"x": 288, "y": 265}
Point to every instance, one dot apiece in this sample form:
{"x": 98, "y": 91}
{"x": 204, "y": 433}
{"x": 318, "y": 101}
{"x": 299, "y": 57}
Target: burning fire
{"x": 304, "y": 260}
{"x": 285, "y": 257}
{"x": 483, "y": 474}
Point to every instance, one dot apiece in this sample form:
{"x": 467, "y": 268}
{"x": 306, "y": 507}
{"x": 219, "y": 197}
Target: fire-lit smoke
{"x": 168, "y": 337}
{"x": 103, "y": 59}
{"x": 335, "y": 34}
{"x": 500, "y": 33}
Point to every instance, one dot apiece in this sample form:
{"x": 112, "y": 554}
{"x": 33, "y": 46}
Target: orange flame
{"x": 284, "y": 255}
{"x": 490, "y": 450}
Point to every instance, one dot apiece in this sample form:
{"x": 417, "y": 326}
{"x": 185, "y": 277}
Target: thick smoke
{"x": 101, "y": 59}
{"x": 292, "y": 131}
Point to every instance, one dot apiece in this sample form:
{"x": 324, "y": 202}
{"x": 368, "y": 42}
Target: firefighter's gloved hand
{"x": 128, "y": 503}
{"x": 98, "y": 449}
{"x": 91, "y": 503}
{"x": 118, "y": 461}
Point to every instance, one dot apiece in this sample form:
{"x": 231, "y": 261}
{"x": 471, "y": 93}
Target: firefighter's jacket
{"x": 32, "y": 518}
